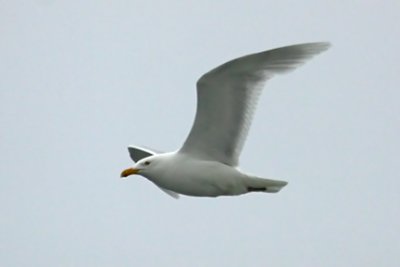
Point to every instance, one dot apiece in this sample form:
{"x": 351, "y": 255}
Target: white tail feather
{"x": 264, "y": 185}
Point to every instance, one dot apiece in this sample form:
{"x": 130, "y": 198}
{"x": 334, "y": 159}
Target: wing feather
{"x": 227, "y": 98}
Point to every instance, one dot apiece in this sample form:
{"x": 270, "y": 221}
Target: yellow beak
{"x": 129, "y": 171}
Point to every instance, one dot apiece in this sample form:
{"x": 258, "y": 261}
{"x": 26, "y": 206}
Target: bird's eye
{"x": 147, "y": 163}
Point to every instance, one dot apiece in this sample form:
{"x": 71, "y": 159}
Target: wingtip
{"x": 320, "y": 46}
{"x": 325, "y": 45}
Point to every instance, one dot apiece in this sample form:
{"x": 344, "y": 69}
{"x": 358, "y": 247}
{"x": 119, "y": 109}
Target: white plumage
{"x": 226, "y": 100}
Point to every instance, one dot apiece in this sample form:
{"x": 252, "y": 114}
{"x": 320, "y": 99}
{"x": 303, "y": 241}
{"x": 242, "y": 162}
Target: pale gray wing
{"x": 169, "y": 192}
{"x": 227, "y": 97}
{"x": 137, "y": 153}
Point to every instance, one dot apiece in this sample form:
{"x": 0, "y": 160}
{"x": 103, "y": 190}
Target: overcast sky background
{"x": 81, "y": 80}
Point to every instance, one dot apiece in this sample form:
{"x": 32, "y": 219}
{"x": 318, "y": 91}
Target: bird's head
{"x": 142, "y": 167}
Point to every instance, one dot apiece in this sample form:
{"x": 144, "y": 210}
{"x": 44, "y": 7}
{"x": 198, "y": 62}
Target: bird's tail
{"x": 257, "y": 184}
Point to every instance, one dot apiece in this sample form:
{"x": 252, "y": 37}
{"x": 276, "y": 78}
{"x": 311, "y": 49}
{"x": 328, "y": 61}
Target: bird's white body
{"x": 206, "y": 164}
{"x": 176, "y": 172}
{"x": 196, "y": 177}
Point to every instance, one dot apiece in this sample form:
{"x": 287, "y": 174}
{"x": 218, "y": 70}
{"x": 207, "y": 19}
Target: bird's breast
{"x": 200, "y": 178}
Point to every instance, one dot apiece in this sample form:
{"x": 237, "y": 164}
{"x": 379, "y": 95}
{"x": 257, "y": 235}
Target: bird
{"x": 207, "y": 164}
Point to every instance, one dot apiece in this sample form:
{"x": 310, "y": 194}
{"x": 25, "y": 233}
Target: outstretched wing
{"x": 227, "y": 97}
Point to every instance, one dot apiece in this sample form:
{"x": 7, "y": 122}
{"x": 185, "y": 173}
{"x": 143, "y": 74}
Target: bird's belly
{"x": 203, "y": 181}
{"x": 192, "y": 187}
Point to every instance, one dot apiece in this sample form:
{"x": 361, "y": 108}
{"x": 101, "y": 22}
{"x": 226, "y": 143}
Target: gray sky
{"x": 80, "y": 80}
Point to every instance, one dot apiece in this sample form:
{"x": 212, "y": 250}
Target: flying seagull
{"x": 207, "y": 163}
